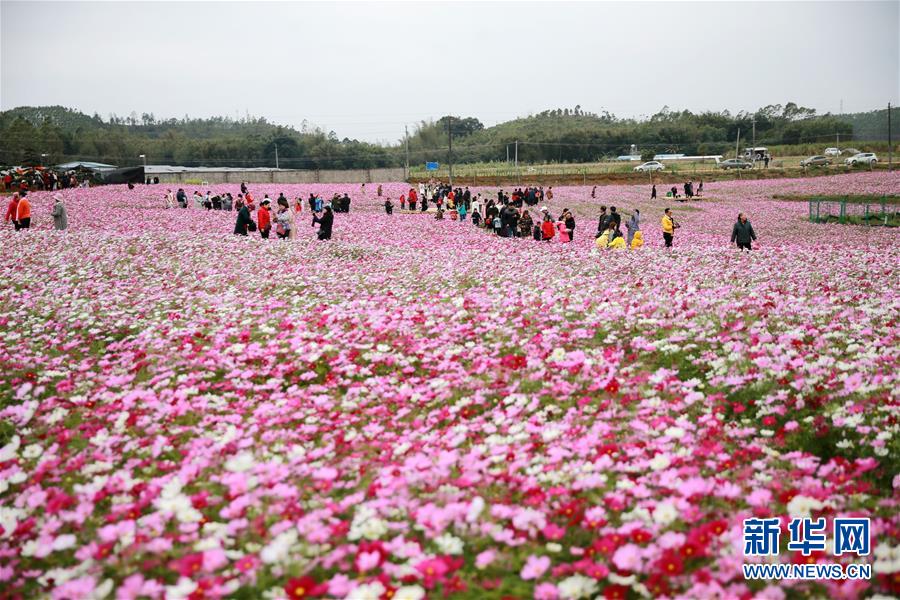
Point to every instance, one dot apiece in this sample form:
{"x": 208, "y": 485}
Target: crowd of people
{"x": 18, "y": 212}
{"x": 286, "y": 215}
{"x": 506, "y": 216}
{"x": 689, "y": 192}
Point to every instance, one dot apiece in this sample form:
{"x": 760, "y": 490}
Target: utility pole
{"x": 406, "y": 129}
{"x": 507, "y": 154}
{"x": 276, "y": 156}
{"x": 737, "y": 143}
{"x": 890, "y": 151}
{"x": 450, "y": 147}
{"x": 517, "y": 161}
{"x": 753, "y": 121}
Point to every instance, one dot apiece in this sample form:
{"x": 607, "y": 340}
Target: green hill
{"x": 557, "y": 135}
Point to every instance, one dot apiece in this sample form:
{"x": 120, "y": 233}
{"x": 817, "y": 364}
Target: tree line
{"x": 556, "y": 135}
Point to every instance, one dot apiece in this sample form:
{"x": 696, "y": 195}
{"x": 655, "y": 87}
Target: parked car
{"x": 816, "y": 161}
{"x": 863, "y": 158}
{"x": 735, "y": 163}
{"x": 832, "y": 152}
{"x": 653, "y": 165}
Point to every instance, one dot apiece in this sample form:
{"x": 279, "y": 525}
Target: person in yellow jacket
{"x": 618, "y": 243}
{"x": 668, "y": 227}
{"x": 602, "y": 241}
{"x": 637, "y": 241}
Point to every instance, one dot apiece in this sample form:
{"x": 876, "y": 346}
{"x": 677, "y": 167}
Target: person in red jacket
{"x": 23, "y": 213}
{"x": 12, "y": 211}
{"x": 548, "y": 227}
{"x": 264, "y": 219}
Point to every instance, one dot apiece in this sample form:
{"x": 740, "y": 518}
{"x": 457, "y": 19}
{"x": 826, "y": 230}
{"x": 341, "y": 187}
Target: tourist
{"x": 217, "y": 202}
{"x": 169, "y": 199}
{"x": 525, "y": 224}
{"x": 298, "y": 205}
{"x": 243, "y": 188}
{"x": 633, "y": 225}
{"x": 60, "y": 217}
{"x": 326, "y": 221}
{"x": 181, "y": 197}
{"x": 23, "y": 212}
{"x": 569, "y": 219}
{"x": 402, "y": 202}
{"x": 461, "y": 209}
{"x": 264, "y": 218}
{"x": 615, "y": 218}
{"x": 742, "y": 233}
{"x": 12, "y": 210}
{"x": 207, "y": 200}
{"x": 227, "y": 202}
{"x": 602, "y": 222}
{"x": 388, "y": 206}
{"x": 653, "y": 192}
{"x": 548, "y": 230}
{"x": 668, "y": 227}
{"x": 239, "y": 203}
{"x": 284, "y": 219}
{"x": 563, "y": 232}
{"x": 594, "y": 192}
{"x": 700, "y": 188}
{"x": 602, "y": 241}
{"x": 638, "y": 240}
{"x": 242, "y": 225}
{"x": 379, "y": 190}
{"x": 198, "y": 199}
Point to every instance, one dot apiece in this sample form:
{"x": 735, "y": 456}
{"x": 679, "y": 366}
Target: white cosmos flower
{"x": 665, "y": 513}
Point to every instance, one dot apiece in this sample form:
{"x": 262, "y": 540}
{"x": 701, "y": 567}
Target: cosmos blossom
{"x": 419, "y": 408}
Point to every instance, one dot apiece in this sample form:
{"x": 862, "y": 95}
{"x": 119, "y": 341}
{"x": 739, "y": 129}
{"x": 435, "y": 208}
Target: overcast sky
{"x": 366, "y": 69}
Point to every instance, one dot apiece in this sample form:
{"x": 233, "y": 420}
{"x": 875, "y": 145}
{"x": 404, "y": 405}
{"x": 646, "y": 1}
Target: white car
{"x": 863, "y": 158}
{"x": 832, "y": 152}
{"x": 653, "y": 165}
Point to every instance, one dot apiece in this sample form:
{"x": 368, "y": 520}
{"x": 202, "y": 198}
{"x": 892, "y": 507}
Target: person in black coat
{"x": 326, "y": 221}
{"x": 570, "y": 223}
{"x": 614, "y": 218}
{"x": 742, "y": 233}
{"x": 653, "y": 192}
{"x": 243, "y": 221}
{"x": 602, "y": 222}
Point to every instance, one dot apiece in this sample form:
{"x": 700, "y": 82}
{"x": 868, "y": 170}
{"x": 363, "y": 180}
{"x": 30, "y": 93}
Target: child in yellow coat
{"x": 638, "y": 240}
{"x": 618, "y": 243}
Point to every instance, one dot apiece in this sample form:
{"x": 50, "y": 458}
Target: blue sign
{"x": 431, "y": 166}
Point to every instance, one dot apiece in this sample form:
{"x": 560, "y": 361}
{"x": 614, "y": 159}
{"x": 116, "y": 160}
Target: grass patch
{"x": 892, "y": 200}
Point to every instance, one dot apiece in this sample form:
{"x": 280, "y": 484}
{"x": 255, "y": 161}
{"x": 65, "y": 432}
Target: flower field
{"x": 419, "y": 409}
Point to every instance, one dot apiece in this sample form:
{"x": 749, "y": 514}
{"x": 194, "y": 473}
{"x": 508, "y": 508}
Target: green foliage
{"x": 562, "y": 135}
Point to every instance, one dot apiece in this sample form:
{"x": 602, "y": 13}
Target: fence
{"x": 285, "y": 176}
{"x": 858, "y": 213}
